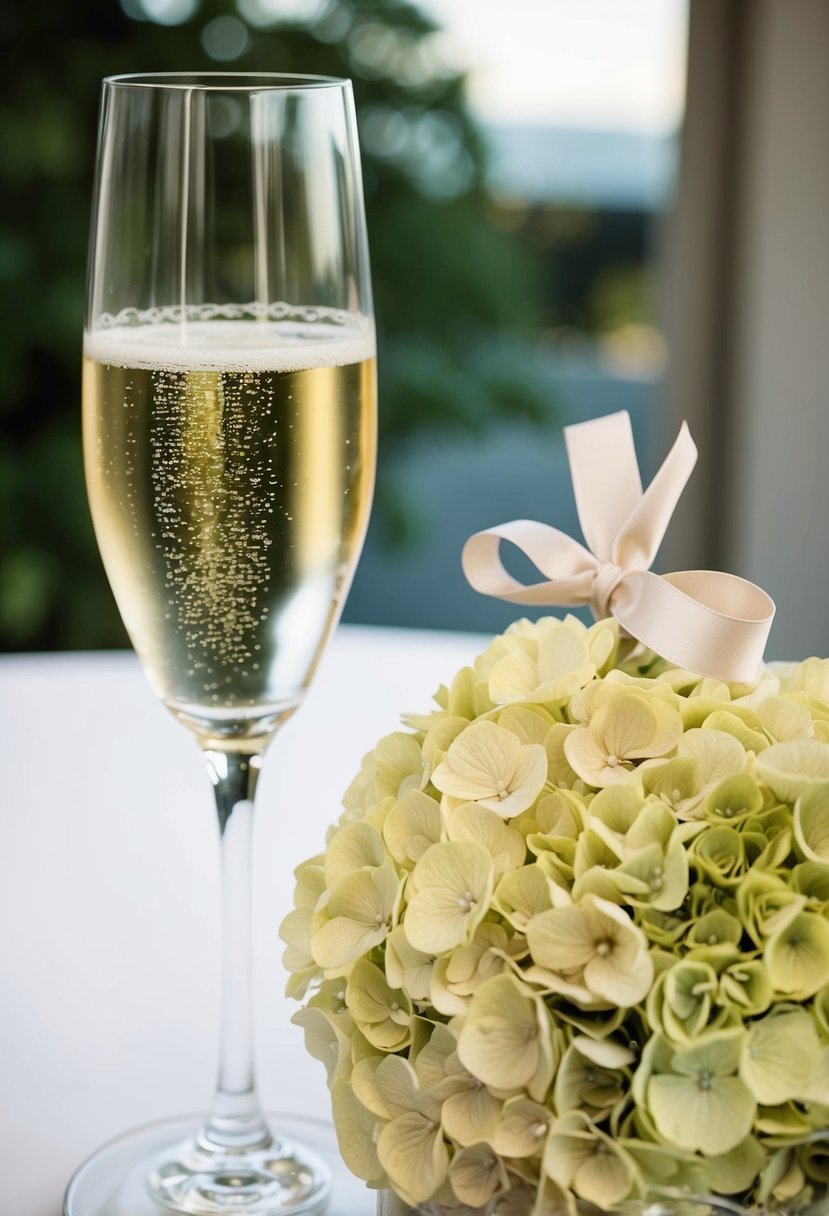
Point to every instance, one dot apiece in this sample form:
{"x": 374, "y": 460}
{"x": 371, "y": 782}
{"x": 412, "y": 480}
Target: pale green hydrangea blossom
{"x": 569, "y": 942}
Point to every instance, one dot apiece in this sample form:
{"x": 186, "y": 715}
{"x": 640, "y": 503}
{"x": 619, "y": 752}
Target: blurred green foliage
{"x": 450, "y": 288}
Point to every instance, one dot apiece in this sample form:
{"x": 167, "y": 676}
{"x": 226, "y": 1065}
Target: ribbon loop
{"x": 706, "y": 621}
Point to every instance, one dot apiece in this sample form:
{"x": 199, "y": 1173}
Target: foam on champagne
{"x": 227, "y": 346}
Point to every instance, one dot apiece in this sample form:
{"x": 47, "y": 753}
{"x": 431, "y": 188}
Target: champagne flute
{"x": 229, "y": 414}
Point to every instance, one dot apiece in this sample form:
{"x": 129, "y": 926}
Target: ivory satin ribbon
{"x": 708, "y": 622}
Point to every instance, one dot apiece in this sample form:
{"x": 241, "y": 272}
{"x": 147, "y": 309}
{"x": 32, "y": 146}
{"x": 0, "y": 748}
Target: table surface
{"x": 109, "y": 892}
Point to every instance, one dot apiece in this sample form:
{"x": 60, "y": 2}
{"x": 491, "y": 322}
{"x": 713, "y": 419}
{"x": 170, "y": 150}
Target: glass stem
{"x": 236, "y": 1121}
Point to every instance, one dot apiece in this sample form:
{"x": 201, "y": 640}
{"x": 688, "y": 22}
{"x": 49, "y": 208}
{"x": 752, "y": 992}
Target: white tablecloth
{"x": 109, "y": 910}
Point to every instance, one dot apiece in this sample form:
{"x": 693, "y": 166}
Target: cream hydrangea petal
{"x": 310, "y": 882}
{"x": 382, "y": 1013}
{"x": 467, "y": 695}
{"x": 811, "y": 822}
{"x": 784, "y": 719}
{"x": 352, "y": 847}
{"x": 480, "y": 762}
{"x": 357, "y": 917}
{"x": 363, "y": 1082}
{"x": 522, "y": 894}
{"x": 636, "y": 727}
{"x": 561, "y": 939}
{"x": 412, "y": 1152}
{"x": 811, "y": 676}
{"x": 454, "y": 885}
{"x": 625, "y": 725}
{"x": 747, "y": 987}
{"x": 501, "y": 1038}
{"x": 780, "y": 1054}
{"x": 718, "y": 754}
{"x": 710, "y": 1117}
{"x": 528, "y": 724}
{"x": 406, "y": 967}
{"x": 798, "y": 956}
{"x": 561, "y": 814}
{"x": 715, "y": 1055}
{"x": 782, "y": 1178}
{"x": 513, "y": 678}
{"x": 607, "y": 1053}
{"x": 675, "y": 782}
{"x": 602, "y": 639}
{"x": 580, "y": 1157}
{"x": 521, "y": 635}
{"x": 525, "y": 786}
{"x": 441, "y": 994}
{"x": 790, "y": 768}
{"x": 431, "y": 1062}
{"x": 356, "y": 1127}
{"x": 365, "y": 895}
{"x": 411, "y": 826}
{"x": 456, "y": 976}
{"x": 505, "y": 846}
{"x": 560, "y": 771}
{"x": 581, "y": 1084}
{"x": 598, "y": 940}
{"x": 295, "y": 931}
{"x": 733, "y": 1172}
{"x": 326, "y": 1041}
{"x": 470, "y": 1114}
{"x": 604, "y": 1179}
{"x": 341, "y": 940}
{"x": 476, "y": 1174}
{"x": 589, "y": 760}
{"x": 398, "y": 764}
{"x": 811, "y": 878}
{"x": 623, "y": 976}
{"x": 612, "y": 814}
{"x": 360, "y": 794}
{"x": 749, "y": 733}
{"x": 816, "y": 1088}
{"x": 654, "y": 824}
{"x": 664, "y": 875}
{"x": 522, "y": 1129}
{"x": 396, "y": 1083}
{"x": 560, "y": 652}
{"x": 472, "y": 964}
{"x": 440, "y": 736}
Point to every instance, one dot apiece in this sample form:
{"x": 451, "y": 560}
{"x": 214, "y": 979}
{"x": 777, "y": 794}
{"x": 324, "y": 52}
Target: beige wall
{"x": 748, "y": 313}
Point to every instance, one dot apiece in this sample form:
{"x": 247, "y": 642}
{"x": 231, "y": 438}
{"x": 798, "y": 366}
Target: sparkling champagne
{"x": 230, "y": 481}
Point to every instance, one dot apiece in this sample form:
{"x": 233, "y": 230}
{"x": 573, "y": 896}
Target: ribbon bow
{"x": 708, "y": 622}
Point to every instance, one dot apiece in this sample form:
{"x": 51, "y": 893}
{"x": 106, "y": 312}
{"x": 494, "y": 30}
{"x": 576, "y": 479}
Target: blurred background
{"x": 574, "y": 206}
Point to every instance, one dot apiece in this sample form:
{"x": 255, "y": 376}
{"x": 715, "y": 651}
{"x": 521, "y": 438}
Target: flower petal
{"x": 355, "y": 1127}
{"x": 780, "y": 1054}
{"x": 411, "y": 826}
{"x": 790, "y": 768}
{"x": 505, "y": 846}
{"x": 412, "y": 1152}
{"x": 500, "y": 1040}
{"x": 710, "y": 1119}
{"x": 453, "y": 884}
{"x": 480, "y": 763}
{"x": 350, "y": 848}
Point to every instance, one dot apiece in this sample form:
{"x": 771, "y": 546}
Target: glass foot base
{"x": 119, "y": 1180}
{"x": 199, "y": 1178}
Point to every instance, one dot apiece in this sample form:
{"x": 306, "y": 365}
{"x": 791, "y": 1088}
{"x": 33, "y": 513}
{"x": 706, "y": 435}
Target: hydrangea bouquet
{"x": 568, "y": 945}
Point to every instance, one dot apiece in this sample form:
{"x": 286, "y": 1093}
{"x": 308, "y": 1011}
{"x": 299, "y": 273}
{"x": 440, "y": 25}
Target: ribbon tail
{"x": 569, "y": 568}
{"x": 640, "y": 536}
{"x": 605, "y": 475}
{"x": 705, "y": 621}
